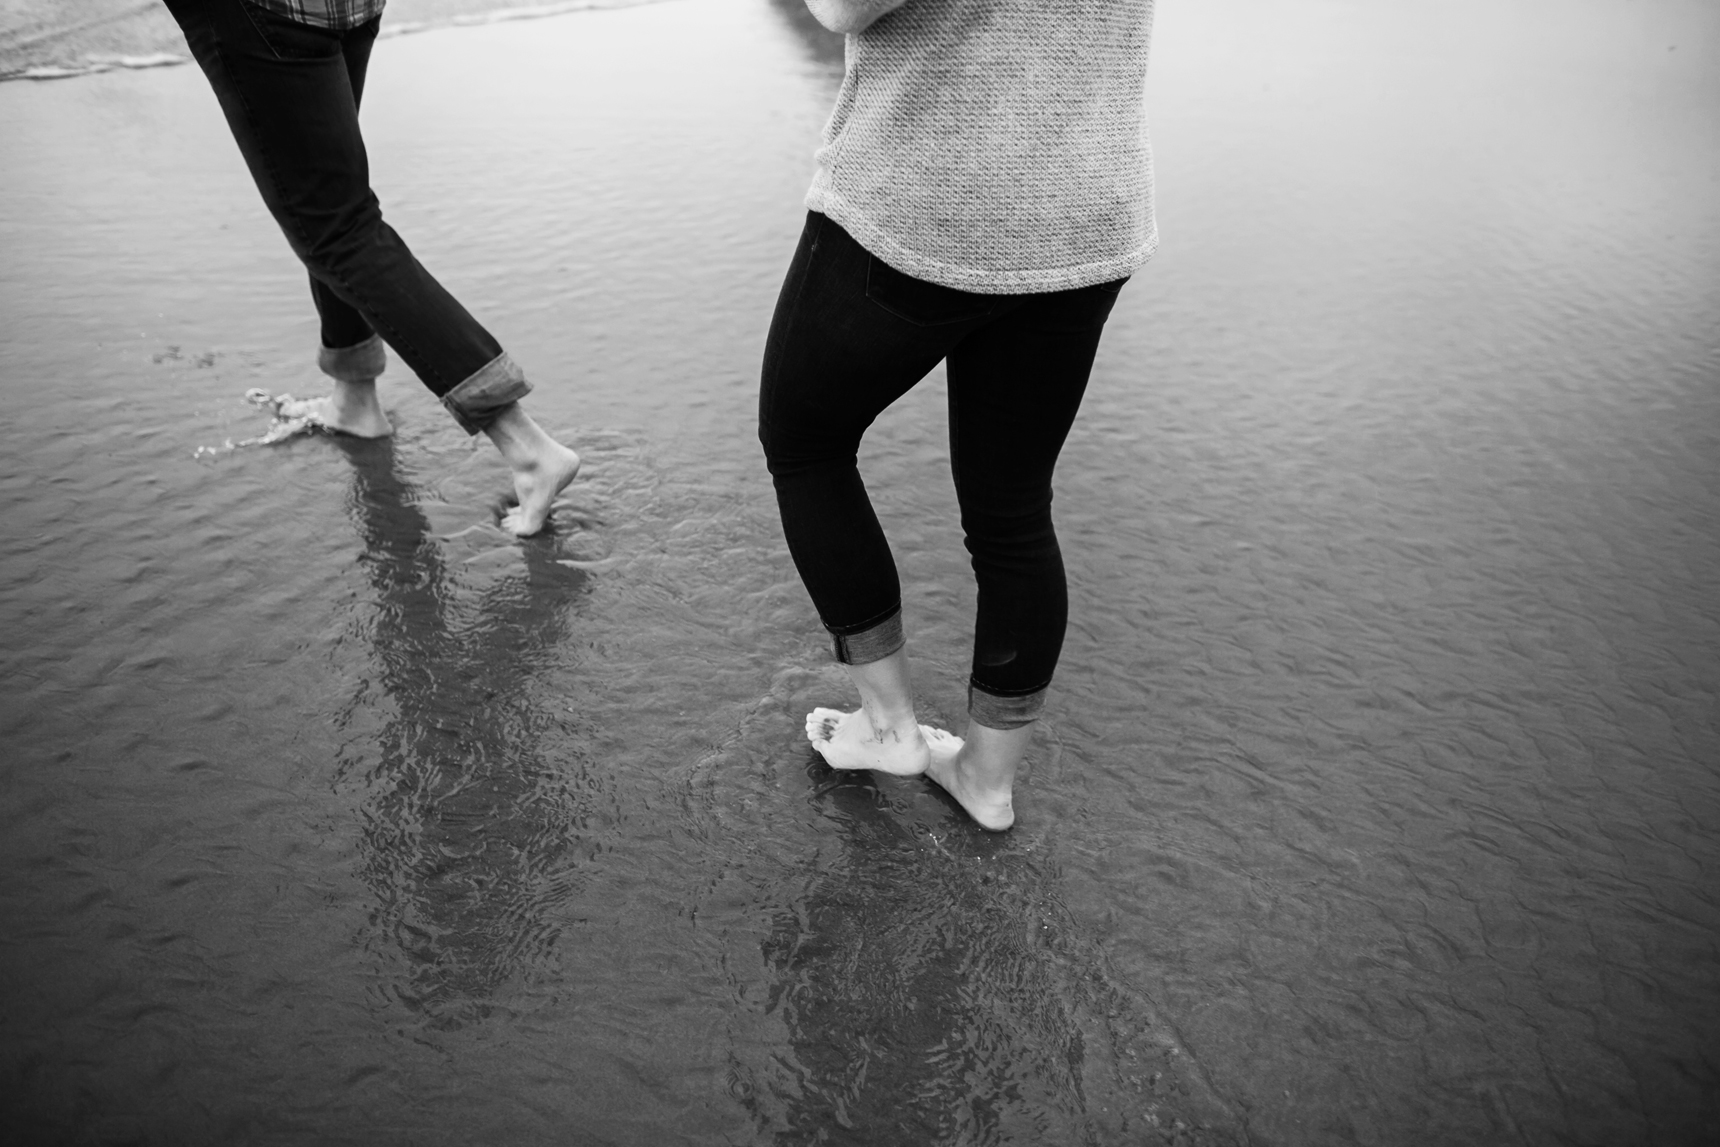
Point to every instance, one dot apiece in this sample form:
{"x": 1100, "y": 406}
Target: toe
{"x": 821, "y": 724}
{"x": 941, "y": 742}
{"x": 517, "y": 524}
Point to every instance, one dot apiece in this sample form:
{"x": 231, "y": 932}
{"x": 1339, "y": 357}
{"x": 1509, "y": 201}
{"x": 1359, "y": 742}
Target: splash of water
{"x": 289, "y": 418}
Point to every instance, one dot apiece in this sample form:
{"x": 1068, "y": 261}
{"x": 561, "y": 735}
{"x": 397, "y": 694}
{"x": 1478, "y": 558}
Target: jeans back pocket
{"x": 291, "y": 39}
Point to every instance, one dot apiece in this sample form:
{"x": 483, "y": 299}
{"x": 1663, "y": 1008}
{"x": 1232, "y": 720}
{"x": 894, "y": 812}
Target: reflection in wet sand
{"x": 469, "y": 824}
{"x": 935, "y": 990}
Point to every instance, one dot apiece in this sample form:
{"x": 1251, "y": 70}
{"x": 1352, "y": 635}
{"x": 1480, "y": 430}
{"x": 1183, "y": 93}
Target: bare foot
{"x": 536, "y": 489}
{"x": 542, "y": 468}
{"x": 856, "y": 741}
{"x": 352, "y": 408}
{"x": 980, "y": 771}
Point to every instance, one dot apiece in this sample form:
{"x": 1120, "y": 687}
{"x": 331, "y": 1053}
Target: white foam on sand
{"x": 96, "y": 63}
{"x": 65, "y": 46}
{"x": 499, "y": 15}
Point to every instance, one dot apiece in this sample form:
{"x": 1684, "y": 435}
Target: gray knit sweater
{"x": 998, "y": 146}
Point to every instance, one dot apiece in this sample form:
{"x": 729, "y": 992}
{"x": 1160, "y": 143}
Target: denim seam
{"x": 872, "y": 622}
{"x": 806, "y": 273}
{"x": 992, "y": 691}
{"x": 257, "y": 28}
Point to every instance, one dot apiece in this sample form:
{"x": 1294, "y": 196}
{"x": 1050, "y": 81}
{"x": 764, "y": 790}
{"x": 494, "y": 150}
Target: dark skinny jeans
{"x": 291, "y": 93}
{"x": 850, "y": 336}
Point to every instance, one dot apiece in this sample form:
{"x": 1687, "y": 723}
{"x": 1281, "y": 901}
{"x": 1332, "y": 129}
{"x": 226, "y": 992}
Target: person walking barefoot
{"x": 984, "y": 190}
{"x": 289, "y": 75}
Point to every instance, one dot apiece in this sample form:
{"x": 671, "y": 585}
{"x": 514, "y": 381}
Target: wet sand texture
{"x": 1375, "y": 802}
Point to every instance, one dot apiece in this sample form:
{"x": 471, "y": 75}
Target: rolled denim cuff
{"x": 476, "y": 401}
{"x": 361, "y": 362}
{"x": 999, "y": 712}
{"x": 871, "y": 641}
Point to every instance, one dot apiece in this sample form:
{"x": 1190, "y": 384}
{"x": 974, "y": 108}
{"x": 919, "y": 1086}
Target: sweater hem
{"x": 977, "y": 280}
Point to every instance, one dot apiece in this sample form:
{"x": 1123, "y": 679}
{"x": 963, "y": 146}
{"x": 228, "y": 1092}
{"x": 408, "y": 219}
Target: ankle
{"x": 523, "y": 444}
{"x": 354, "y": 395}
{"x": 898, "y": 717}
{"x": 993, "y": 755}
{"x": 886, "y": 691}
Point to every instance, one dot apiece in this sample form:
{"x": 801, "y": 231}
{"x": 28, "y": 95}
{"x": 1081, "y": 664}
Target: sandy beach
{"x": 1374, "y": 802}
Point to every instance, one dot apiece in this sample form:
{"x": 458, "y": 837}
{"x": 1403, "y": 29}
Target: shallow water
{"x": 1375, "y": 804}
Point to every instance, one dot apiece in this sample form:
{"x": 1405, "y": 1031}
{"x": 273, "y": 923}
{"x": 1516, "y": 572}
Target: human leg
{"x": 833, "y": 362}
{"x": 288, "y": 91}
{"x": 351, "y": 353}
{"x": 1015, "y": 388}
{"x": 291, "y": 94}
{"x": 269, "y": 77}
{"x": 836, "y": 357}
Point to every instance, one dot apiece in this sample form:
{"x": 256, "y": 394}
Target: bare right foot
{"x": 351, "y": 408}
{"x": 979, "y": 772}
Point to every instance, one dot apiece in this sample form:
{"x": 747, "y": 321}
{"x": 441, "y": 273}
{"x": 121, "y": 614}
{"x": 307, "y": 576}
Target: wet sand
{"x": 1374, "y": 804}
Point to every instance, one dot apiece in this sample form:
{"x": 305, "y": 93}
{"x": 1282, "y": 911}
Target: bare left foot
{"x": 536, "y": 489}
{"x": 856, "y": 741}
{"x": 542, "y": 468}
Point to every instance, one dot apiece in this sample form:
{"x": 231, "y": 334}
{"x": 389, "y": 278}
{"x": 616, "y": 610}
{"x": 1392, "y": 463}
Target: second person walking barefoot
{"x": 289, "y": 75}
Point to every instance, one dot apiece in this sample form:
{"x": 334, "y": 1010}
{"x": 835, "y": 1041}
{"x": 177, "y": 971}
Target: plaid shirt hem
{"x": 338, "y": 15}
